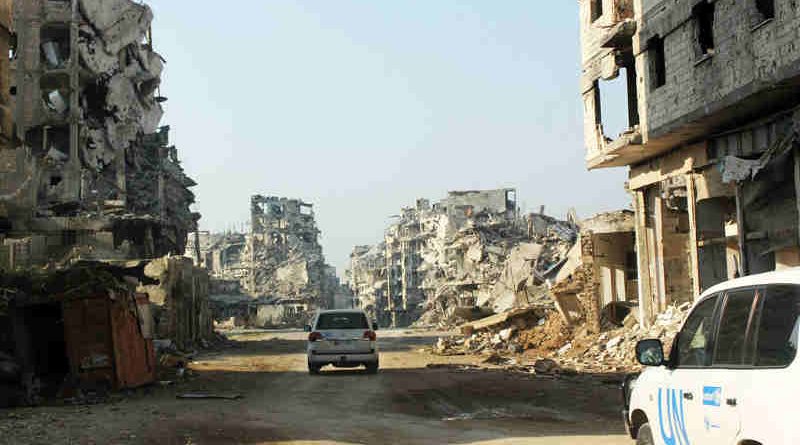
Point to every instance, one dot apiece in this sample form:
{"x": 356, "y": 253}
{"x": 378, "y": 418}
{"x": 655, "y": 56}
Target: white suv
{"x": 343, "y": 338}
{"x": 731, "y": 376}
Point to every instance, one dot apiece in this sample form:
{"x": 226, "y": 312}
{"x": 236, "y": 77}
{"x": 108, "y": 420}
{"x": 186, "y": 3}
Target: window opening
{"x": 658, "y": 64}
{"x": 596, "y": 9}
{"x": 704, "y": 18}
{"x": 766, "y": 8}
{"x": 615, "y": 105}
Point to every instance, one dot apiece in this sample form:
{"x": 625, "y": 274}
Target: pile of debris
{"x": 525, "y": 338}
{"x": 465, "y": 257}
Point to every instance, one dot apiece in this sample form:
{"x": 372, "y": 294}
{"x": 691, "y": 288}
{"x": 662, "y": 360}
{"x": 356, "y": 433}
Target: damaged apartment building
{"x": 713, "y": 113}
{"x": 94, "y": 200}
{"x": 276, "y": 274}
{"x": 94, "y": 176}
{"x": 464, "y": 257}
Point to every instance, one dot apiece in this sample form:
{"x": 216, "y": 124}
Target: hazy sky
{"x": 360, "y": 107}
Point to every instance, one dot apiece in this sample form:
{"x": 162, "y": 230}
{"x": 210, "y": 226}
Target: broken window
{"x": 55, "y": 93}
{"x": 12, "y": 46}
{"x": 596, "y": 7}
{"x": 50, "y": 142}
{"x": 658, "y": 64}
{"x": 703, "y": 14}
{"x": 616, "y": 105}
{"x": 766, "y": 8}
{"x": 55, "y": 46}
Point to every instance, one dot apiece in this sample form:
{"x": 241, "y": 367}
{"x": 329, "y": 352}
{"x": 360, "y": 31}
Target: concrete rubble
{"x": 542, "y": 343}
{"x": 470, "y": 255}
{"x": 591, "y": 324}
{"x": 274, "y": 275}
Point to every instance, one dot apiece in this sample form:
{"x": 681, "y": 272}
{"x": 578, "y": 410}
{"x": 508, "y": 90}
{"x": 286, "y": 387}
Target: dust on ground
{"x": 417, "y": 398}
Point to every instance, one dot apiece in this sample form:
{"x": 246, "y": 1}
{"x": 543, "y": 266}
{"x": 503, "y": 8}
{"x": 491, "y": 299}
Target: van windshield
{"x": 344, "y": 320}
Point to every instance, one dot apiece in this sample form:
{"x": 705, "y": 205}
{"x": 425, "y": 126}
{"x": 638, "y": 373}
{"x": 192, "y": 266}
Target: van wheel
{"x": 372, "y": 368}
{"x": 645, "y": 436}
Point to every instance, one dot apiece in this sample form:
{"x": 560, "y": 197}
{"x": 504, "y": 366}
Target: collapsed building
{"x": 598, "y": 284}
{"x": 93, "y": 198}
{"x": 711, "y": 143}
{"x": 466, "y": 256}
{"x": 276, "y": 274}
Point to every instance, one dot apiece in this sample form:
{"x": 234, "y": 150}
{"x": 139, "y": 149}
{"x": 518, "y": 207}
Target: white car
{"x": 344, "y": 338}
{"x": 731, "y": 376}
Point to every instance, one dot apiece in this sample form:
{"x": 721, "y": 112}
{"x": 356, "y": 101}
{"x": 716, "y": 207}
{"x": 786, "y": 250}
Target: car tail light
{"x": 314, "y": 336}
{"x": 370, "y": 335}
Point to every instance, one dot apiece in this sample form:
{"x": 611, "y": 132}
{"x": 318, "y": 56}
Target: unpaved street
{"x": 408, "y": 402}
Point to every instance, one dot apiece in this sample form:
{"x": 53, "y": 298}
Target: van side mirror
{"x": 307, "y": 328}
{"x": 374, "y": 325}
{"x": 650, "y": 352}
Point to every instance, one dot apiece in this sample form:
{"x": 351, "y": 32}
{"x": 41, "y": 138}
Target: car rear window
{"x": 343, "y": 320}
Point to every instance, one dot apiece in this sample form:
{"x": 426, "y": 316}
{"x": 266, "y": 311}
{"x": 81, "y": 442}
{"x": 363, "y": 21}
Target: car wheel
{"x": 645, "y": 436}
{"x": 372, "y": 368}
{"x": 313, "y": 369}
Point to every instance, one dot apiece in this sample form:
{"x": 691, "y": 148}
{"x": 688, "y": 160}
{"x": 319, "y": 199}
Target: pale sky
{"x": 360, "y": 107}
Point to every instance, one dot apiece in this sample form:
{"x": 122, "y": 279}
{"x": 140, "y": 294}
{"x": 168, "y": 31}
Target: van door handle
{"x": 731, "y": 402}
{"x": 688, "y": 396}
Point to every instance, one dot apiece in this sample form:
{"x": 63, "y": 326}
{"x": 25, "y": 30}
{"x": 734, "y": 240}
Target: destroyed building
{"x": 274, "y": 275}
{"x": 599, "y": 280}
{"x": 466, "y": 256}
{"x": 367, "y": 277}
{"x": 285, "y": 255}
{"x": 94, "y": 200}
{"x": 712, "y": 140}
{"x": 94, "y": 176}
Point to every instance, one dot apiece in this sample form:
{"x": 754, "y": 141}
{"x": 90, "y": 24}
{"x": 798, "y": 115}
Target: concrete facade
{"x": 712, "y": 144}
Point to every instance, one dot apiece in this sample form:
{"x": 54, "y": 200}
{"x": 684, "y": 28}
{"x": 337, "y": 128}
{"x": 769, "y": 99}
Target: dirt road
{"x": 406, "y": 403}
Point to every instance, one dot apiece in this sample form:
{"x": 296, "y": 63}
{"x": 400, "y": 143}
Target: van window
{"x": 342, "y": 320}
{"x": 778, "y": 327}
{"x": 694, "y": 340}
{"x": 733, "y": 327}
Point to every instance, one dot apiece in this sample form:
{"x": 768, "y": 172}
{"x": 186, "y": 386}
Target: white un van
{"x": 731, "y": 376}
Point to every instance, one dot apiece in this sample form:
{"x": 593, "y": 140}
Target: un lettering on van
{"x": 671, "y": 417}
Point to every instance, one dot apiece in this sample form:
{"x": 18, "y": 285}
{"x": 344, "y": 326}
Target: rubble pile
{"x": 465, "y": 257}
{"x": 528, "y": 340}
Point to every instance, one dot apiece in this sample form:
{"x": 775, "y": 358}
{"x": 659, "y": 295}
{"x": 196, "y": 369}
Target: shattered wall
{"x": 179, "y": 292}
{"x": 599, "y": 274}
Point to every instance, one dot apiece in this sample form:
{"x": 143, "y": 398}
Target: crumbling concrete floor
{"x": 408, "y": 402}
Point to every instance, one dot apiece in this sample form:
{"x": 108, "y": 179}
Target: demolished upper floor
{"x": 678, "y": 71}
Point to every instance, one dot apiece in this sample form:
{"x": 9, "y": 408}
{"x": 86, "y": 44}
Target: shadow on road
{"x": 405, "y": 406}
